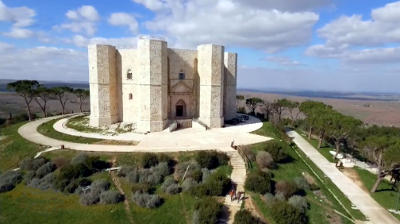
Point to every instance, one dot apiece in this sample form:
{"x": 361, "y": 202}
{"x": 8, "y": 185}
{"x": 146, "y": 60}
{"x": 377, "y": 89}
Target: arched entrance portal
{"x": 180, "y": 109}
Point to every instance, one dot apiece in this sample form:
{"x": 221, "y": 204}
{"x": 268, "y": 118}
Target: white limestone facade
{"x": 153, "y": 85}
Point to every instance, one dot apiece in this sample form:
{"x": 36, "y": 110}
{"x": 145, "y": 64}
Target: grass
{"x": 318, "y": 212}
{"x": 81, "y": 123}
{"x": 385, "y": 195}
{"x": 28, "y": 205}
{"x": 324, "y": 150}
{"x": 48, "y": 130}
{"x": 14, "y": 148}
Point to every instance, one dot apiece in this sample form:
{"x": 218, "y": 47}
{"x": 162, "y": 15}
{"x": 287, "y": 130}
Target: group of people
{"x": 235, "y": 195}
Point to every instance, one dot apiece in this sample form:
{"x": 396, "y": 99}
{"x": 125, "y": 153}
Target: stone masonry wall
{"x": 230, "y": 61}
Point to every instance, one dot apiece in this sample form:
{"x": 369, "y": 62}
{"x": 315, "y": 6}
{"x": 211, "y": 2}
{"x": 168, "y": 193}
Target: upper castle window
{"x": 130, "y": 96}
{"x": 181, "y": 75}
{"x": 129, "y": 75}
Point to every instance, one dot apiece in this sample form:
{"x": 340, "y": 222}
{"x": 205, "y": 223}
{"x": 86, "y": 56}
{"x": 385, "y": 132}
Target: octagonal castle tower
{"x": 153, "y": 85}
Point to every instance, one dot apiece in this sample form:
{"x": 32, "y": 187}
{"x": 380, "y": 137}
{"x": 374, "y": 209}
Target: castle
{"x": 153, "y": 86}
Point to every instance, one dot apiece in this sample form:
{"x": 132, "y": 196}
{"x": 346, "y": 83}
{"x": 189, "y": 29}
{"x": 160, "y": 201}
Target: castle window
{"x": 181, "y": 75}
{"x": 130, "y": 96}
{"x": 129, "y": 75}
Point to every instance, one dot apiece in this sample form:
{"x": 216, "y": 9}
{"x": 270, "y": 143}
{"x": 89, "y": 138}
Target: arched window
{"x": 130, "y": 96}
{"x": 129, "y": 74}
{"x": 181, "y": 75}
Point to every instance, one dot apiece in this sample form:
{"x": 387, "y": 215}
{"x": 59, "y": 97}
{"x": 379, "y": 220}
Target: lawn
{"x": 385, "y": 195}
{"x": 319, "y": 211}
{"x": 48, "y": 130}
{"x": 14, "y": 148}
{"x": 81, "y": 123}
{"x": 29, "y": 205}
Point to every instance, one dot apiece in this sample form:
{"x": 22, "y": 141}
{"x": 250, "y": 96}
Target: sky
{"x": 319, "y": 45}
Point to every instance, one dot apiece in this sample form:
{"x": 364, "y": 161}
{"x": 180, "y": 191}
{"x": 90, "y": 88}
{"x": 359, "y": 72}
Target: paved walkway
{"x": 238, "y": 177}
{"x": 181, "y": 140}
{"x": 375, "y": 213}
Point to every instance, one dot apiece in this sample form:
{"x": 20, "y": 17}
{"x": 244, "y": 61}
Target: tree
{"x": 267, "y": 109}
{"x": 340, "y": 127}
{"x": 312, "y": 110}
{"x": 293, "y": 108}
{"x": 383, "y": 148}
{"x": 253, "y": 103}
{"x": 278, "y": 107}
{"x": 26, "y": 89}
{"x": 61, "y": 94}
{"x": 42, "y": 96}
{"x": 82, "y": 94}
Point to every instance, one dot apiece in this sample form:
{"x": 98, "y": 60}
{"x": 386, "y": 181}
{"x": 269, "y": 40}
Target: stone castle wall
{"x": 143, "y": 86}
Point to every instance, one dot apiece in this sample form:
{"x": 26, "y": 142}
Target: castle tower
{"x": 153, "y": 79}
{"x": 230, "y": 61}
{"x": 103, "y": 85}
{"x": 211, "y": 75}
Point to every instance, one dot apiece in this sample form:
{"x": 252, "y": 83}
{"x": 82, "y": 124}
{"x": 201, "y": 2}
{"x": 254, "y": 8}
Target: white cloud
{"x": 124, "y": 19}
{"x": 124, "y": 42}
{"x": 42, "y": 63}
{"x": 153, "y": 4}
{"x": 284, "y": 61}
{"x": 356, "y": 40}
{"x": 82, "y": 20}
{"x": 230, "y": 22}
{"x": 19, "y": 33}
{"x": 20, "y": 17}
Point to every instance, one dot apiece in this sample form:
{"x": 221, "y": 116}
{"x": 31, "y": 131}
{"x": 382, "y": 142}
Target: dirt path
{"x": 353, "y": 175}
{"x": 117, "y": 184}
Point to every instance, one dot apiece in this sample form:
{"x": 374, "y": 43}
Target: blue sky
{"x": 292, "y": 45}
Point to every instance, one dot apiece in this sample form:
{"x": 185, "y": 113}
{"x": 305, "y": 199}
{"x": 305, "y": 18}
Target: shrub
{"x": 298, "y": 202}
{"x": 81, "y": 158}
{"x": 149, "y": 160}
{"x": 260, "y": 182}
{"x": 191, "y": 166}
{"x": 287, "y": 188}
{"x": 142, "y": 187}
{"x": 47, "y": 182}
{"x": 217, "y": 184}
{"x": 188, "y": 183}
{"x": 168, "y": 182}
{"x": 173, "y": 189}
{"x": 90, "y": 198}
{"x": 277, "y": 149}
{"x": 269, "y": 197}
{"x": 60, "y": 162}
{"x": 32, "y": 164}
{"x": 45, "y": 169}
{"x": 284, "y": 213}
{"x": 111, "y": 197}
{"x": 100, "y": 185}
{"x": 207, "y": 210}
{"x": 301, "y": 183}
{"x": 125, "y": 170}
{"x": 166, "y": 158}
{"x": 249, "y": 154}
{"x": 9, "y": 180}
{"x": 29, "y": 176}
{"x": 146, "y": 200}
{"x": 205, "y": 174}
{"x": 245, "y": 217}
{"x": 265, "y": 160}
{"x": 211, "y": 159}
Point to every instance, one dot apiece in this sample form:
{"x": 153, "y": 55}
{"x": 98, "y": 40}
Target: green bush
{"x": 152, "y": 176}
{"x": 32, "y": 164}
{"x": 170, "y": 186}
{"x": 45, "y": 169}
{"x": 286, "y": 188}
{"x": 265, "y": 160}
{"x": 9, "y": 180}
{"x": 149, "y": 160}
{"x": 245, "y": 217}
{"x": 146, "y": 200}
{"x": 211, "y": 159}
{"x": 284, "y": 213}
{"x": 111, "y": 197}
{"x": 217, "y": 184}
{"x": 298, "y": 202}
{"x": 260, "y": 182}
{"x": 192, "y": 168}
{"x": 278, "y": 150}
{"x": 188, "y": 184}
{"x": 207, "y": 211}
